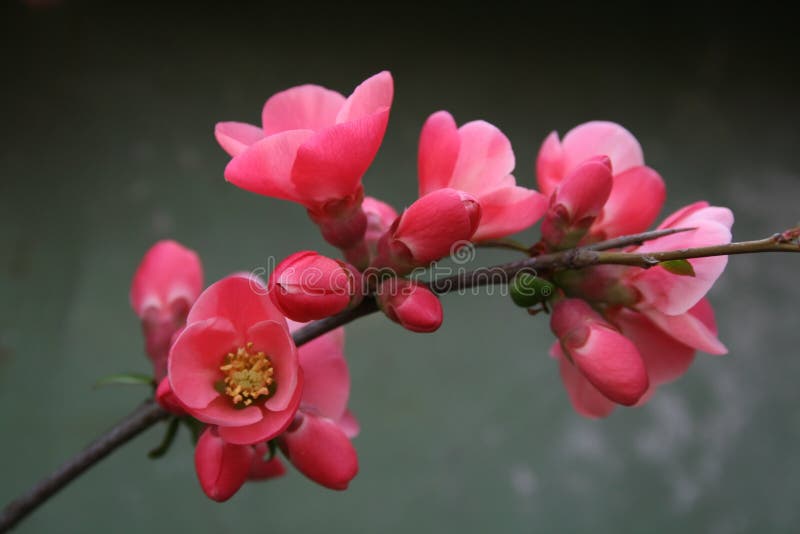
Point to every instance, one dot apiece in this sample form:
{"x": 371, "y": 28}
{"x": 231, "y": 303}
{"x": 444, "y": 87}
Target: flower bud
{"x": 308, "y": 286}
{"x": 166, "y": 284}
{"x": 410, "y": 304}
{"x": 527, "y": 290}
{"x": 320, "y": 450}
{"x": 222, "y": 468}
{"x": 577, "y": 202}
{"x": 429, "y": 230}
{"x": 608, "y": 360}
{"x": 167, "y": 399}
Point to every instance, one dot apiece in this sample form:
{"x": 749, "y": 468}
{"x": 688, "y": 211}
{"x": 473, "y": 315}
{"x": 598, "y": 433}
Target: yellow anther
{"x": 247, "y": 375}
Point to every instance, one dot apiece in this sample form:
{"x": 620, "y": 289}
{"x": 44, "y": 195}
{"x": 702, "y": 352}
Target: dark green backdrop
{"x": 107, "y": 145}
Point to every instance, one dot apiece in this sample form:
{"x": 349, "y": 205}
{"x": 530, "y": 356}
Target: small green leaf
{"x": 679, "y": 267}
{"x": 128, "y": 379}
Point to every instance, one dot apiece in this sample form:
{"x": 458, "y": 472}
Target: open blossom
{"x": 638, "y": 191}
{"x": 308, "y": 286}
{"x": 235, "y": 365}
{"x": 665, "y": 315}
{"x": 313, "y": 148}
{"x": 166, "y": 284}
{"x": 317, "y": 442}
{"x": 477, "y": 159}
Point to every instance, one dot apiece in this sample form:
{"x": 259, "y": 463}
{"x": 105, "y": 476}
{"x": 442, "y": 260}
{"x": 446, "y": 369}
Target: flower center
{"x": 248, "y": 375}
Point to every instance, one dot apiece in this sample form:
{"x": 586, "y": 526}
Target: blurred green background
{"x": 108, "y": 146}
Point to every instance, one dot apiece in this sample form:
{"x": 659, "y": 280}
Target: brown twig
{"x": 150, "y": 413}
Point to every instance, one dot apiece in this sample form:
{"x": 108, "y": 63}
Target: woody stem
{"x": 150, "y": 413}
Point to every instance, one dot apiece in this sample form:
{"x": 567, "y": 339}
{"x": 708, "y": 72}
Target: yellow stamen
{"x": 248, "y": 376}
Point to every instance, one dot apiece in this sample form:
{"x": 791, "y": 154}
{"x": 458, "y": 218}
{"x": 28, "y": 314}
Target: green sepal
{"x": 194, "y": 426}
{"x": 679, "y": 267}
{"x": 166, "y": 442}
{"x": 528, "y": 290}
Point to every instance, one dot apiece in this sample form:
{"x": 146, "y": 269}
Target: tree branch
{"x": 146, "y": 415}
{"x": 150, "y": 413}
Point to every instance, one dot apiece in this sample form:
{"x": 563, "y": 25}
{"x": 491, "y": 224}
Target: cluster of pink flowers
{"x": 225, "y": 356}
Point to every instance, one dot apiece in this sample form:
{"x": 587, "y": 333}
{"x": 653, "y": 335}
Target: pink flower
{"x": 308, "y": 286}
{"x": 313, "y": 149}
{"x": 166, "y": 284}
{"x": 431, "y": 228}
{"x": 410, "y": 304}
{"x": 235, "y": 365}
{"x": 671, "y": 294}
{"x": 608, "y": 360}
{"x": 317, "y": 442}
{"x": 477, "y": 159}
{"x": 638, "y": 191}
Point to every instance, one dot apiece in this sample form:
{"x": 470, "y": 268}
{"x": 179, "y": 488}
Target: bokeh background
{"x": 107, "y": 146}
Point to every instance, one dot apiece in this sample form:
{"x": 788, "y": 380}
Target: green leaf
{"x": 128, "y": 379}
{"x": 679, "y": 267}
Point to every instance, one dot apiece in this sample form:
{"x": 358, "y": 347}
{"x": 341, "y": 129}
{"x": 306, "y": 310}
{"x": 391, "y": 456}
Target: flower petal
{"x": 262, "y": 469}
{"x": 305, "y": 107}
{"x": 635, "y": 201}
{"x": 439, "y": 144}
{"x": 235, "y": 137}
{"x": 221, "y": 412}
{"x": 242, "y": 301}
{"x": 326, "y": 377}
{"x": 664, "y": 356}
{"x": 585, "y": 398}
{"x": 508, "y": 210}
{"x": 550, "y": 164}
{"x": 673, "y": 294}
{"x": 273, "y": 338}
{"x": 602, "y": 138}
{"x": 349, "y": 424}
{"x": 692, "y": 328}
{"x": 265, "y": 168}
{"x": 373, "y": 95}
{"x": 195, "y": 358}
{"x": 485, "y": 158}
{"x": 330, "y": 164}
